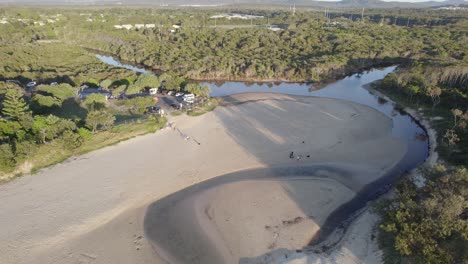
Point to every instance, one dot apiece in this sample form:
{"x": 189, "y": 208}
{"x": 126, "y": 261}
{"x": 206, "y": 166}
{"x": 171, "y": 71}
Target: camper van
{"x": 153, "y": 91}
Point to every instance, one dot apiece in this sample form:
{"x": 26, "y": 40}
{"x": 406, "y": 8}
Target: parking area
{"x": 172, "y": 103}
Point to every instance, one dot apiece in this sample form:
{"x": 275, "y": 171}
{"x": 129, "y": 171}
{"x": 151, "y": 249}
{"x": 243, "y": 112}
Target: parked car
{"x": 164, "y": 92}
{"x": 54, "y": 83}
{"x": 31, "y": 84}
{"x": 170, "y": 93}
{"x": 179, "y": 94}
{"x": 154, "y": 109}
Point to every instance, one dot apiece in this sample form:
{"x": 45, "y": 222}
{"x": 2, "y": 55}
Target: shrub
{"x": 85, "y": 134}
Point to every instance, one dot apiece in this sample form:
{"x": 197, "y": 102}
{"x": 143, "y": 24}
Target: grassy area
{"x": 56, "y": 151}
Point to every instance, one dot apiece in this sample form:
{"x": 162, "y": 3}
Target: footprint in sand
{"x": 137, "y": 242}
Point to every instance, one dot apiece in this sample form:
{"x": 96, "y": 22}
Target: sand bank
{"x": 91, "y": 209}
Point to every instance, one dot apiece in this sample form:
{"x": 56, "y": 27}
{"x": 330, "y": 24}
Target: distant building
{"x": 236, "y": 16}
{"x": 454, "y": 8}
{"x": 118, "y": 26}
{"x": 139, "y": 26}
{"x": 51, "y": 20}
{"x": 274, "y": 28}
{"x": 127, "y": 26}
{"x": 24, "y": 20}
{"x": 176, "y": 26}
{"x": 150, "y": 25}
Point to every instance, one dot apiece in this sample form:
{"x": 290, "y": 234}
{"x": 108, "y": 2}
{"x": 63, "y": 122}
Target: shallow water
{"x": 404, "y": 127}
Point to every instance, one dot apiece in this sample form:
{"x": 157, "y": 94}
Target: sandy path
{"x": 80, "y": 211}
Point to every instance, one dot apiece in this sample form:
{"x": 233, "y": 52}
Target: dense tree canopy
{"x": 430, "y": 224}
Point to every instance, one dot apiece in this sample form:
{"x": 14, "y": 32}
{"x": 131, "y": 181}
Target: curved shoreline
{"x": 431, "y": 159}
{"x": 255, "y": 100}
{"x": 254, "y": 135}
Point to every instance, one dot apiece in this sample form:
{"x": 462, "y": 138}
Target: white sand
{"x": 90, "y": 209}
{"x": 359, "y": 246}
{"x": 243, "y": 219}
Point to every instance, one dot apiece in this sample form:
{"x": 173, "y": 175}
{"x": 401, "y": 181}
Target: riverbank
{"x": 358, "y": 243}
{"x": 337, "y": 74}
{"x": 422, "y": 120}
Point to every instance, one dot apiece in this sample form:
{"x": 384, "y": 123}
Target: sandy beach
{"x": 226, "y": 187}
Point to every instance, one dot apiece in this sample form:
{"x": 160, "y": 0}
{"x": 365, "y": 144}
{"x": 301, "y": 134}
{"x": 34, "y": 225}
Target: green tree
{"x": 147, "y": 81}
{"x": 118, "y": 91}
{"x": 106, "y": 83}
{"x": 62, "y": 91}
{"x": 133, "y": 89}
{"x": 99, "y": 119}
{"x": 14, "y": 105}
{"x": 95, "y": 102}
{"x": 198, "y": 90}
{"x": 428, "y": 224}
{"x": 43, "y": 102}
{"x": 47, "y": 128}
{"x": 138, "y": 105}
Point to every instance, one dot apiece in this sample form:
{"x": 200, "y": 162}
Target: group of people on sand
{"x": 298, "y": 157}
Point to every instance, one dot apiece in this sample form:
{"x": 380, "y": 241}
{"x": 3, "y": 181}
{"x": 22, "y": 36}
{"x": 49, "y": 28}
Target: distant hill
{"x": 309, "y": 3}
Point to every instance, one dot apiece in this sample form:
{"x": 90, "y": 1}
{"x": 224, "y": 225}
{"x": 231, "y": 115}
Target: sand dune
{"x": 91, "y": 209}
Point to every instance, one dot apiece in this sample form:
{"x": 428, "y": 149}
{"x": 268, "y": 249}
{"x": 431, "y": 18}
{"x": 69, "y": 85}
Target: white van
{"x": 153, "y": 91}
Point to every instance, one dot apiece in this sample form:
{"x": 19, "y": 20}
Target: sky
{"x": 407, "y": 1}
{"x": 169, "y": 1}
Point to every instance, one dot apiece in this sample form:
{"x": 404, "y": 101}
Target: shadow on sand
{"x": 318, "y": 139}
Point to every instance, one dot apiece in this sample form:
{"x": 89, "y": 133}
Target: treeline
{"x": 308, "y": 48}
{"x": 444, "y": 89}
{"x": 428, "y": 224}
{"x": 427, "y": 220}
{"x": 50, "y": 123}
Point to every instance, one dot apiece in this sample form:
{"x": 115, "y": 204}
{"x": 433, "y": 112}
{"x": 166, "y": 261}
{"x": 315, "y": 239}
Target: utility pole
{"x": 294, "y": 9}
{"x": 407, "y": 22}
{"x": 362, "y": 15}
{"x": 382, "y": 20}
